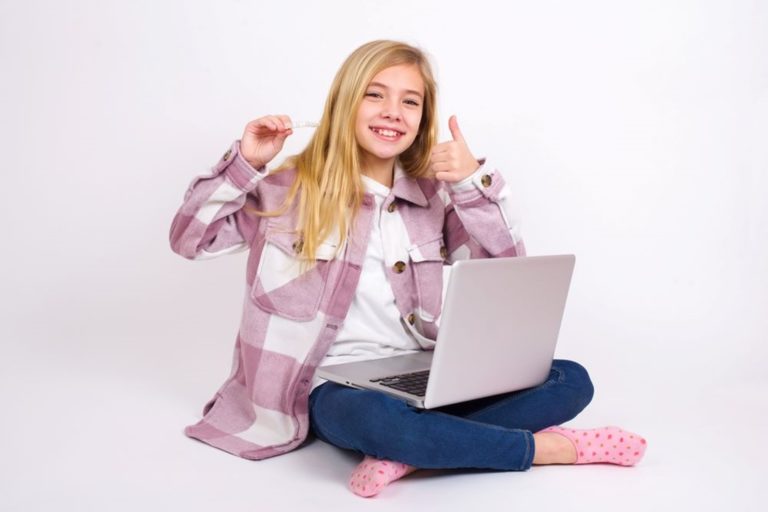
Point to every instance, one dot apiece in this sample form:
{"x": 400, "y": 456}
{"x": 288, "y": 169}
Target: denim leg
{"x": 560, "y": 398}
{"x": 384, "y": 427}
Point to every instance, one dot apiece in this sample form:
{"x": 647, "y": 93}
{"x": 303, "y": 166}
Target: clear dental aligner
{"x": 304, "y": 124}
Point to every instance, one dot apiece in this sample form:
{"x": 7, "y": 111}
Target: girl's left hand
{"x": 453, "y": 161}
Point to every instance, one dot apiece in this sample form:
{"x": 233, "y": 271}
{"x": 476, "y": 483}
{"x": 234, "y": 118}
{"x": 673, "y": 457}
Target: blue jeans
{"x": 491, "y": 433}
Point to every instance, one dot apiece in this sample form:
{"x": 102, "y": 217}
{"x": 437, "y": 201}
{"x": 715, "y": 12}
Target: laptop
{"x": 500, "y": 322}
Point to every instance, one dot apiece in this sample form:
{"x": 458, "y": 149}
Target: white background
{"x": 633, "y": 134}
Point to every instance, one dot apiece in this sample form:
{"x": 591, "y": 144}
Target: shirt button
{"x": 399, "y": 267}
{"x": 411, "y": 319}
{"x": 486, "y": 180}
{"x": 226, "y": 155}
{"x": 391, "y": 208}
{"x": 443, "y": 252}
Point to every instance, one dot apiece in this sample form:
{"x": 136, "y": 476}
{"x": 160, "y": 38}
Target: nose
{"x": 391, "y": 115}
{"x": 391, "y": 112}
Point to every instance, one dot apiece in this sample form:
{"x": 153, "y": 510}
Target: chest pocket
{"x": 427, "y": 260}
{"x": 282, "y": 285}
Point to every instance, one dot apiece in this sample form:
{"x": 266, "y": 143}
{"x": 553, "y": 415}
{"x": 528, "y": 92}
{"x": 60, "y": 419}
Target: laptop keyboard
{"x": 414, "y": 383}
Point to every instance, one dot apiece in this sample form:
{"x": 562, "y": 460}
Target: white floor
{"x": 104, "y": 432}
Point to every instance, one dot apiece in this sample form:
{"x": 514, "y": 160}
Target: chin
{"x": 384, "y": 153}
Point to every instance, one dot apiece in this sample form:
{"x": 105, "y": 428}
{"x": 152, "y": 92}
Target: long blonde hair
{"x": 328, "y": 180}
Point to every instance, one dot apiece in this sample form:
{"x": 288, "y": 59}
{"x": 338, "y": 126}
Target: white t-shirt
{"x": 372, "y": 328}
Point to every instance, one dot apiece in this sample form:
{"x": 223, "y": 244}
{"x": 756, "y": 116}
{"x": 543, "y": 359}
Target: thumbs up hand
{"x": 452, "y": 161}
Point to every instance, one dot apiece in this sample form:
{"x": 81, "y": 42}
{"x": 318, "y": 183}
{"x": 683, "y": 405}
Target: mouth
{"x": 388, "y": 134}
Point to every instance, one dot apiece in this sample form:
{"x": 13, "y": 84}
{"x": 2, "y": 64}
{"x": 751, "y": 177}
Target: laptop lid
{"x": 498, "y": 332}
{"x": 499, "y": 327}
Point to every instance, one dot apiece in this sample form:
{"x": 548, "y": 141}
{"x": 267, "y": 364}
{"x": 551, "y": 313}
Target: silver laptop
{"x": 499, "y": 327}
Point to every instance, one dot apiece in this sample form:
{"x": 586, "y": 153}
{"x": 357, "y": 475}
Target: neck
{"x": 383, "y": 172}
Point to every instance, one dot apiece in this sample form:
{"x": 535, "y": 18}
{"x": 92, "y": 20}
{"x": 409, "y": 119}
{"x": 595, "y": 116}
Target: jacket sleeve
{"x": 480, "y": 221}
{"x": 213, "y": 220}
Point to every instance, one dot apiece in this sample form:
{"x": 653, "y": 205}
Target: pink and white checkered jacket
{"x": 292, "y": 314}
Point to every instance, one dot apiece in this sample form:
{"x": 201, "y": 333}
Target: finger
{"x": 443, "y": 147}
{"x": 284, "y": 134}
{"x": 266, "y": 122}
{"x": 277, "y": 122}
{"x": 273, "y": 125}
{"x": 446, "y": 156}
{"x": 441, "y": 166}
{"x": 286, "y": 121}
{"x": 453, "y": 124}
{"x": 440, "y": 157}
{"x": 451, "y": 145}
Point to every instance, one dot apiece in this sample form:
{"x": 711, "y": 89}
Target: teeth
{"x": 387, "y": 133}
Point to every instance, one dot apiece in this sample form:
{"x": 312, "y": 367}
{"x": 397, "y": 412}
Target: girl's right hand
{"x": 263, "y": 139}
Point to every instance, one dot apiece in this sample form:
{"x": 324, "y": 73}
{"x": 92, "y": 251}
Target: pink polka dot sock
{"x": 372, "y": 475}
{"x": 610, "y": 445}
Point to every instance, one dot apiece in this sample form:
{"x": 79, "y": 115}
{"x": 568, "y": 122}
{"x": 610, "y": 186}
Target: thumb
{"x": 284, "y": 134}
{"x": 453, "y": 124}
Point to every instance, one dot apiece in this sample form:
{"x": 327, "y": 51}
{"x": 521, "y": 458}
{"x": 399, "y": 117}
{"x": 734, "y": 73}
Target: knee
{"x": 341, "y": 412}
{"x": 336, "y": 401}
{"x": 576, "y": 377}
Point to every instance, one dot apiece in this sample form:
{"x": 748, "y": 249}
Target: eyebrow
{"x": 408, "y": 91}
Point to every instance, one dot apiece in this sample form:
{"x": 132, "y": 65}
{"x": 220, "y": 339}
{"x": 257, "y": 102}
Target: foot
{"x": 551, "y": 448}
{"x": 372, "y": 475}
{"x": 610, "y": 445}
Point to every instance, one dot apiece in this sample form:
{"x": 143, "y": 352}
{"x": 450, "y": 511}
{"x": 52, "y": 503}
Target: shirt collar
{"x": 374, "y": 187}
{"x": 407, "y": 188}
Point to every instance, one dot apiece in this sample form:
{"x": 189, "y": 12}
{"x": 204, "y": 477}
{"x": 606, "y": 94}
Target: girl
{"x": 347, "y": 243}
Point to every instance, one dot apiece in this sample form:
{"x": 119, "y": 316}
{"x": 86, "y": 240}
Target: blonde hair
{"x": 328, "y": 182}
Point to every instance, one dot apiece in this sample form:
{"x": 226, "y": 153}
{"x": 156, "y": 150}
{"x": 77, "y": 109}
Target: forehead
{"x": 402, "y": 77}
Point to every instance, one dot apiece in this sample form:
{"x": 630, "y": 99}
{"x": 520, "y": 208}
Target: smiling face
{"x": 389, "y": 116}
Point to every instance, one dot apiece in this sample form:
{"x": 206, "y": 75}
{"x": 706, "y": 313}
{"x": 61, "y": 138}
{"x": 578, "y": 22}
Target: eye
{"x": 412, "y": 102}
{"x": 373, "y": 94}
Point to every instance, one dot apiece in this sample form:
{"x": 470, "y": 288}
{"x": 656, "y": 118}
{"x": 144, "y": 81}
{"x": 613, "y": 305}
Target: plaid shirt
{"x": 292, "y": 314}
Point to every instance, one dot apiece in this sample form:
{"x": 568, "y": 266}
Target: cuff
{"x": 467, "y": 183}
{"x": 238, "y": 170}
{"x": 485, "y": 181}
